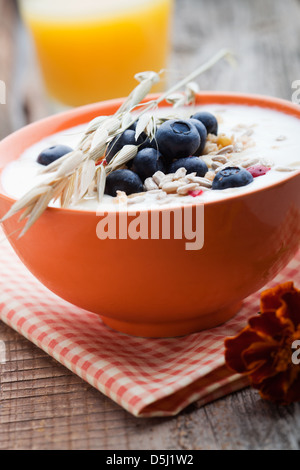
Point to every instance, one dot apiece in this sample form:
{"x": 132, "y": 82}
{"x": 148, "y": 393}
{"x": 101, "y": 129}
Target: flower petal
{"x": 292, "y": 300}
{"x": 270, "y": 299}
{"x": 234, "y": 348}
{"x": 262, "y": 350}
{"x": 259, "y": 359}
{"x": 268, "y": 324}
{"x": 275, "y": 388}
{"x": 293, "y": 394}
{"x": 285, "y": 299}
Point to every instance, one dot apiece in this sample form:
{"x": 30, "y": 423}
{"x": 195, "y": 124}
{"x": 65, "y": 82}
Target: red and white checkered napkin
{"x": 147, "y": 377}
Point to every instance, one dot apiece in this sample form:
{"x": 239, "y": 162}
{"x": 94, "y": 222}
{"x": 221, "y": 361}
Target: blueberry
{"x": 209, "y": 120}
{"x": 177, "y": 139}
{"x": 191, "y": 164}
{"x": 148, "y": 144}
{"x": 231, "y": 177}
{"x": 147, "y": 162}
{"x": 133, "y": 128}
{"x": 203, "y": 135}
{"x": 123, "y": 180}
{"x": 53, "y": 153}
{"x": 127, "y": 138}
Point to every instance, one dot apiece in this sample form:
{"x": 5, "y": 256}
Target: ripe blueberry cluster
{"x": 178, "y": 143}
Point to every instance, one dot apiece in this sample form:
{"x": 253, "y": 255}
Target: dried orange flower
{"x": 264, "y": 349}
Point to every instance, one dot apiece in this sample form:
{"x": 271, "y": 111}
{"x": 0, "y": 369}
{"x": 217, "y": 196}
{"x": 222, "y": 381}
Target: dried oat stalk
{"x": 82, "y": 171}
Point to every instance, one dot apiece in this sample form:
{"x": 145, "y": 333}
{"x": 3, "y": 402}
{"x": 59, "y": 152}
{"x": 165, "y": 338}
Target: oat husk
{"x": 83, "y": 171}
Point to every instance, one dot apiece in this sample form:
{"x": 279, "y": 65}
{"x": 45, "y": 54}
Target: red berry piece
{"x": 102, "y": 162}
{"x": 196, "y": 193}
{"x": 258, "y": 170}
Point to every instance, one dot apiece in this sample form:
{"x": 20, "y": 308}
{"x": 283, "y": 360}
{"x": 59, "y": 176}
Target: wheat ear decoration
{"x": 73, "y": 176}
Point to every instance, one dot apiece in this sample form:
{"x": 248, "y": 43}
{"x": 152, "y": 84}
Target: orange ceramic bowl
{"x": 157, "y": 288}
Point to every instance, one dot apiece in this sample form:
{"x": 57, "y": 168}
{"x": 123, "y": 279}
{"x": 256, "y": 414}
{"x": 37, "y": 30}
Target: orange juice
{"x": 89, "y": 50}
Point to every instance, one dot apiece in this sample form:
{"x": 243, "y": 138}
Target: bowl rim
{"x": 202, "y": 98}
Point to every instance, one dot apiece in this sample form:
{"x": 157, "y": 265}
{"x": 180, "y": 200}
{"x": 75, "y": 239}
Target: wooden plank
{"x": 264, "y": 36}
{"x": 28, "y": 97}
{"x": 7, "y": 50}
{"x": 25, "y": 95}
{"x": 42, "y": 404}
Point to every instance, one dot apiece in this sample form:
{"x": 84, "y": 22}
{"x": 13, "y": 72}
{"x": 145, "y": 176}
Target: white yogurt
{"x": 275, "y": 138}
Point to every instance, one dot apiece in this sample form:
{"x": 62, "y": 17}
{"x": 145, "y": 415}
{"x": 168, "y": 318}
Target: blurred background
{"x": 56, "y": 53}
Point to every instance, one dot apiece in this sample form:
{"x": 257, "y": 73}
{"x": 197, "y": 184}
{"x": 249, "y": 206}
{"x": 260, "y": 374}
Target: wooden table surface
{"x": 42, "y": 404}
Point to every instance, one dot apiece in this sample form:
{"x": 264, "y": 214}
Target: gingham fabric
{"x": 147, "y": 377}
